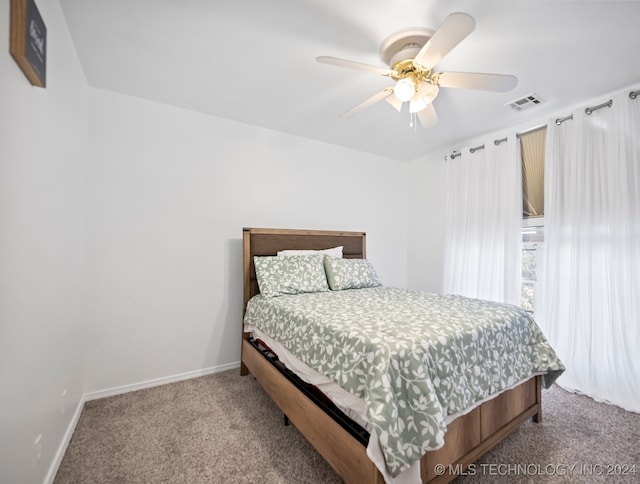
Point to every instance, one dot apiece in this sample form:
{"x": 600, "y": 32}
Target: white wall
{"x": 42, "y": 250}
{"x": 427, "y": 197}
{"x": 170, "y": 192}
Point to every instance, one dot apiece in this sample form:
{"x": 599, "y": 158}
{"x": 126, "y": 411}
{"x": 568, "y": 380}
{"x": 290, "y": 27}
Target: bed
{"x": 469, "y": 433}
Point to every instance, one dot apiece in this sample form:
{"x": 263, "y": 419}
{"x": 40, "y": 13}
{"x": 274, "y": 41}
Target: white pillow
{"x": 333, "y": 252}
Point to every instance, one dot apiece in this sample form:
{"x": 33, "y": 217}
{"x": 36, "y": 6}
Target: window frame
{"x": 533, "y": 237}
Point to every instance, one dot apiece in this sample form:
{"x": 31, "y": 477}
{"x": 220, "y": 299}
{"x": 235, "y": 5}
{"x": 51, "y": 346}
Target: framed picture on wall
{"x": 28, "y": 43}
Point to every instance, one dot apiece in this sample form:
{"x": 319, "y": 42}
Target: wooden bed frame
{"x": 467, "y": 438}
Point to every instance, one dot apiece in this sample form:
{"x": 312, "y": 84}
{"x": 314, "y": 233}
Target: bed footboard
{"x": 467, "y": 439}
{"x": 474, "y": 434}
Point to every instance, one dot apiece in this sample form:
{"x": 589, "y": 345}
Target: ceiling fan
{"x": 411, "y": 55}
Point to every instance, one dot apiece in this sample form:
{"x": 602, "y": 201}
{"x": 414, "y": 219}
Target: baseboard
{"x": 109, "y": 392}
{"x": 62, "y": 448}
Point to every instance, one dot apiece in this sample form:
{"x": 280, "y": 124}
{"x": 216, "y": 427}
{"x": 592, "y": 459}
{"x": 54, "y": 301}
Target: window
{"x": 532, "y": 254}
{"x": 532, "y": 146}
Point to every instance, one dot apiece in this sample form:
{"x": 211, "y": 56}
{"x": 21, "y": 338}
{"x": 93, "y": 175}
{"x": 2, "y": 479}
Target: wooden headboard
{"x": 264, "y": 242}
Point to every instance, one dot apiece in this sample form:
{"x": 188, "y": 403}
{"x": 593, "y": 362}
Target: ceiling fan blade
{"x": 394, "y": 101}
{"x": 455, "y": 28}
{"x": 368, "y": 102}
{"x": 476, "y": 80}
{"x": 428, "y": 116}
{"x": 384, "y": 71}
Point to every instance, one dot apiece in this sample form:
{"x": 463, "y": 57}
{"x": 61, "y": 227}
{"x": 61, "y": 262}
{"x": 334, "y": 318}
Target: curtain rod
{"x": 608, "y": 104}
{"x": 531, "y": 130}
{"x": 559, "y": 121}
{"x": 587, "y": 111}
{"x": 496, "y": 142}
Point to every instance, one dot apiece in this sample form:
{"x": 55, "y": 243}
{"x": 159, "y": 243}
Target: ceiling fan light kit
{"x": 404, "y": 89}
{"x": 411, "y": 55}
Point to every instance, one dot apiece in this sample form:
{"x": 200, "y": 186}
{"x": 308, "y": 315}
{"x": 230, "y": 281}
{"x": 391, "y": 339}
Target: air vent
{"x": 526, "y": 102}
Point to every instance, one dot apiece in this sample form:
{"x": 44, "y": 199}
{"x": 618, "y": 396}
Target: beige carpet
{"x": 223, "y": 428}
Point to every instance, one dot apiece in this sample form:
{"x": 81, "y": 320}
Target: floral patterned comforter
{"x": 413, "y": 357}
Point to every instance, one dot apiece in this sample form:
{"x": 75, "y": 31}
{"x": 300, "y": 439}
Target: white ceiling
{"x": 253, "y": 61}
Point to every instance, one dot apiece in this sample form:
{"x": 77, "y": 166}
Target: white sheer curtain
{"x": 484, "y": 223}
{"x": 591, "y": 310}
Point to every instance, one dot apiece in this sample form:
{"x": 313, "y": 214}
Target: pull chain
{"x": 412, "y": 121}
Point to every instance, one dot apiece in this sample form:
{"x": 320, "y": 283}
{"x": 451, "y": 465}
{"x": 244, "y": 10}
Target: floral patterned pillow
{"x": 295, "y": 274}
{"x": 350, "y": 273}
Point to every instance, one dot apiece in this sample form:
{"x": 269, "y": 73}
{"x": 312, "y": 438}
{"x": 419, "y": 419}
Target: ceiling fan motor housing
{"x": 404, "y": 44}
